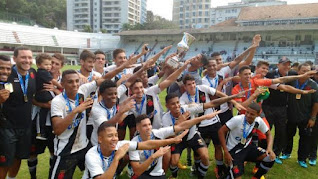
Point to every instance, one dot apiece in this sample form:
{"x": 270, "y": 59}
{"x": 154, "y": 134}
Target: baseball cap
{"x": 284, "y": 60}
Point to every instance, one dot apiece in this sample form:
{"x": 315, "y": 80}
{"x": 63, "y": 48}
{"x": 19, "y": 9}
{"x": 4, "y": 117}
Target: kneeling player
{"x": 238, "y": 147}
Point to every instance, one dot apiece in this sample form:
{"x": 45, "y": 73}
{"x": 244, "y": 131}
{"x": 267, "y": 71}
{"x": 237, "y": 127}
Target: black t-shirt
{"x": 42, "y": 76}
{"x": 300, "y": 109}
{"x": 276, "y": 98}
{"x": 18, "y": 112}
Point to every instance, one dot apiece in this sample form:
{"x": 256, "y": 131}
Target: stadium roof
{"x": 221, "y": 29}
{"x": 296, "y": 11}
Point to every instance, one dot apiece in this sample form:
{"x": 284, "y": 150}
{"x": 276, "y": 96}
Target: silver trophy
{"x": 183, "y": 46}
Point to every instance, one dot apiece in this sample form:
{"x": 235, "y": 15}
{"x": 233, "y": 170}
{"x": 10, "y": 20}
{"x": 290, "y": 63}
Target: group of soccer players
{"x": 82, "y": 115}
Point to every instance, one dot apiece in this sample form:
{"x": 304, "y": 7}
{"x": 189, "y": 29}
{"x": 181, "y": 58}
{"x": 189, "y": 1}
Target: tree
{"x": 87, "y": 28}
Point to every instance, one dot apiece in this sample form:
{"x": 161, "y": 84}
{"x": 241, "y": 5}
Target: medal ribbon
{"x": 109, "y": 114}
{"x": 23, "y": 84}
{"x": 111, "y": 158}
{"x": 215, "y": 82}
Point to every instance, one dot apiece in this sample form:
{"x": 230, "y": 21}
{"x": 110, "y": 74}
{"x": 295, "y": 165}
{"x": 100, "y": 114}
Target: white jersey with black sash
{"x": 194, "y": 109}
{"x": 201, "y": 96}
{"x": 155, "y": 169}
{"x": 150, "y": 105}
{"x": 96, "y": 164}
{"x": 239, "y": 129}
{"x": 74, "y": 138}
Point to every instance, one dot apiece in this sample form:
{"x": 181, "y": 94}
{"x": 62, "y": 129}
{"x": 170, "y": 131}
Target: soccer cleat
{"x": 278, "y": 161}
{"x": 285, "y": 156}
{"x": 303, "y": 164}
{"x": 313, "y": 162}
{"x": 182, "y": 167}
{"x": 255, "y": 169}
{"x": 262, "y": 177}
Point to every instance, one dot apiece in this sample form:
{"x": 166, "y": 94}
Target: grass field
{"x": 289, "y": 169}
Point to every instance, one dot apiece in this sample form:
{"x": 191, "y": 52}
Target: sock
{"x": 174, "y": 171}
{"x": 220, "y": 166}
{"x": 202, "y": 169}
{"x": 10, "y": 177}
{"x": 32, "y": 167}
{"x": 51, "y": 161}
{"x": 189, "y": 162}
{"x": 264, "y": 166}
{"x": 197, "y": 164}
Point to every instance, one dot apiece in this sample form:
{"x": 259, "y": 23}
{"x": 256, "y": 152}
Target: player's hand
{"x": 228, "y": 158}
{"x": 241, "y": 94}
{"x": 271, "y": 154}
{"x": 161, "y": 151}
{"x": 239, "y": 106}
{"x": 4, "y": 95}
{"x": 309, "y": 74}
{"x": 88, "y": 103}
{"x": 128, "y": 104}
{"x": 308, "y": 91}
{"x": 178, "y": 138}
{"x": 144, "y": 49}
{"x": 256, "y": 40}
{"x": 121, "y": 152}
{"x": 184, "y": 116}
{"x": 166, "y": 49}
{"x": 311, "y": 123}
{"x": 48, "y": 86}
{"x": 211, "y": 115}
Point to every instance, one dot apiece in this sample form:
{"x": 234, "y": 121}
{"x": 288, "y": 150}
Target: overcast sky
{"x": 163, "y": 8}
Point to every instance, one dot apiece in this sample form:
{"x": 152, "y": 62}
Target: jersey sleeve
{"x": 154, "y": 90}
{"x": 233, "y": 123}
{"x": 164, "y": 132}
{"x": 88, "y": 88}
{"x": 153, "y": 80}
{"x": 236, "y": 90}
{"x": 262, "y": 125}
{"x": 132, "y": 144}
{"x": 263, "y": 82}
{"x": 193, "y": 108}
{"x": 121, "y": 90}
{"x": 134, "y": 155}
{"x": 97, "y": 116}
{"x": 57, "y": 107}
{"x": 92, "y": 162}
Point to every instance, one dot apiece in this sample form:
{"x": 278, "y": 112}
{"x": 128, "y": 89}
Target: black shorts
{"x": 211, "y": 132}
{"x": 38, "y": 146}
{"x": 64, "y": 167}
{"x": 195, "y": 143}
{"x": 250, "y": 154}
{"x": 14, "y": 143}
{"x": 128, "y": 121}
{"x": 225, "y": 116}
{"x": 89, "y": 131}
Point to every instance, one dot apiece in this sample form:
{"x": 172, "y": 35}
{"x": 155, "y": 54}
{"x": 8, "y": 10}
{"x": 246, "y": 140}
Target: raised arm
{"x": 269, "y": 149}
{"x": 219, "y": 101}
{"x": 154, "y": 144}
{"x": 287, "y": 79}
{"x": 124, "y": 107}
{"x": 173, "y": 77}
{"x": 186, "y": 124}
{"x": 256, "y": 40}
{"x": 236, "y": 104}
{"x": 293, "y": 90}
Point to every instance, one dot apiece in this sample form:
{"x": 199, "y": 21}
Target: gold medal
{"x": 281, "y": 90}
{"x": 243, "y": 141}
{"x": 298, "y": 96}
{"x": 25, "y": 98}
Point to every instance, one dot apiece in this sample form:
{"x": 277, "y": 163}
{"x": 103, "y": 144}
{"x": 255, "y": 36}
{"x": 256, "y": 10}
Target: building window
{"x": 187, "y": 14}
{"x": 200, "y": 13}
{"x": 200, "y": 6}
{"x": 181, "y": 8}
{"x": 193, "y": 7}
{"x": 199, "y": 20}
{"x": 193, "y": 13}
{"x": 181, "y": 15}
{"x": 206, "y": 6}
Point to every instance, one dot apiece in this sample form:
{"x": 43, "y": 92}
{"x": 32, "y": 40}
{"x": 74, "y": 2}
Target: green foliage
{"x": 47, "y": 13}
{"x": 87, "y": 28}
{"x": 153, "y": 22}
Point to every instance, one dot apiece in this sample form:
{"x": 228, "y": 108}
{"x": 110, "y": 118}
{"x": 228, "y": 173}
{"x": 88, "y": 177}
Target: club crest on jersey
{"x": 3, "y": 159}
{"x": 200, "y": 141}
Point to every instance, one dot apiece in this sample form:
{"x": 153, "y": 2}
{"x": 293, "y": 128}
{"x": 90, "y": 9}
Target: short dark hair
{"x": 187, "y": 77}
{"x": 170, "y": 96}
{"x": 68, "y": 72}
{"x": 5, "y": 58}
{"x": 255, "y": 107}
{"x": 136, "y": 81}
{"x": 262, "y": 62}
{"x": 140, "y": 118}
{"x": 106, "y": 84}
{"x": 87, "y": 54}
{"x": 214, "y": 54}
{"x": 204, "y": 60}
{"x": 41, "y": 57}
{"x": 60, "y": 57}
{"x": 99, "y": 52}
{"x": 104, "y": 126}
{"x": 17, "y": 49}
{"x": 244, "y": 68}
{"x": 296, "y": 64}
{"x": 303, "y": 64}
{"x": 117, "y": 51}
